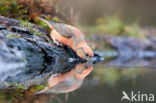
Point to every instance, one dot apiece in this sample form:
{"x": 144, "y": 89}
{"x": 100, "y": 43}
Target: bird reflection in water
{"x": 69, "y": 81}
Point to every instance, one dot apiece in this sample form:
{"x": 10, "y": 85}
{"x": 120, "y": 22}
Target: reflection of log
{"x": 133, "y": 51}
{"x": 22, "y": 50}
{"x": 129, "y": 51}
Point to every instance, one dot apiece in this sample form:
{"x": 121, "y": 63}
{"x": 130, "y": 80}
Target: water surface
{"x": 86, "y": 83}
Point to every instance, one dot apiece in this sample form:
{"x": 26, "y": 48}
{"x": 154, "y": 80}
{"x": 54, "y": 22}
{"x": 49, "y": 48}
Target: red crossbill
{"x": 71, "y": 37}
{"x": 69, "y": 81}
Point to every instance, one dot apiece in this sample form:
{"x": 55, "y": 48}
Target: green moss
{"x": 24, "y": 23}
{"x": 56, "y": 19}
{"x": 33, "y": 30}
{"x": 35, "y": 88}
{"x": 13, "y": 36}
{"x": 20, "y": 86}
{"x": 41, "y": 23}
{"x": 39, "y": 87}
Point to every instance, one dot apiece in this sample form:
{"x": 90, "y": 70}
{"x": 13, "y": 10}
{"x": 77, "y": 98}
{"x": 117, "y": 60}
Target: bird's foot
{"x": 58, "y": 44}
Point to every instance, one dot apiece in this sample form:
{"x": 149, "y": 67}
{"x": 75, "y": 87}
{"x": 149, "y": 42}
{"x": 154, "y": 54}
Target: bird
{"x": 69, "y": 81}
{"x": 69, "y": 36}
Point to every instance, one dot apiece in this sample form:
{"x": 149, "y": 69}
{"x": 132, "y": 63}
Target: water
{"x": 85, "y": 83}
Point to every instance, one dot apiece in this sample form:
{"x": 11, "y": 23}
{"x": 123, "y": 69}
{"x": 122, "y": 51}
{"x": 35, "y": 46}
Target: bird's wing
{"x": 64, "y": 29}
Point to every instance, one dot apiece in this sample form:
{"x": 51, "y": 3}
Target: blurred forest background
{"x": 141, "y": 11}
{"x": 121, "y": 17}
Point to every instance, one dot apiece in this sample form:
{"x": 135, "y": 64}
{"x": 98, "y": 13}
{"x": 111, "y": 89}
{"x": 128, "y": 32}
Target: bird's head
{"x": 84, "y": 51}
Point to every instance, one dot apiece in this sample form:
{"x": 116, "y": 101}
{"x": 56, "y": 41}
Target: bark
{"x": 26, "y": 51}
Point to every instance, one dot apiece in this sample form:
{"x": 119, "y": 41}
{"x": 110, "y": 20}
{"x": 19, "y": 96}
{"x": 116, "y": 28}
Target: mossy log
{"x": 27, "y": 51}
